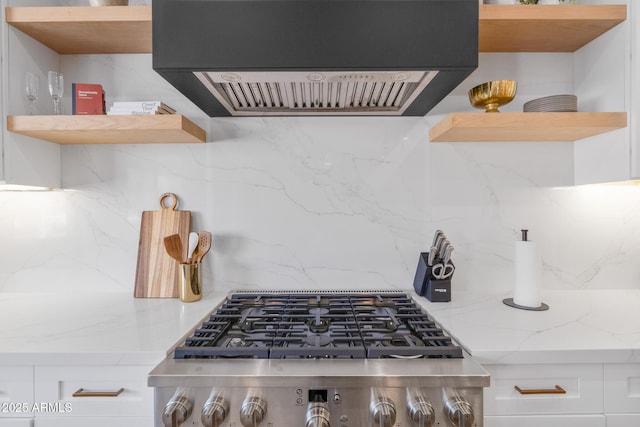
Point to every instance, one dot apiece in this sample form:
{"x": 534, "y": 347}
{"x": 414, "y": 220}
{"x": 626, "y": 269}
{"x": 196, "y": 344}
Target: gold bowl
{"x": 491, "y": 95}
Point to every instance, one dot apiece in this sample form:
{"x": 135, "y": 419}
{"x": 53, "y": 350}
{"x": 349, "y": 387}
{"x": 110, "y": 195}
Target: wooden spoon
{"x": 173, "y": 245}
{"x": 204, "y": 244}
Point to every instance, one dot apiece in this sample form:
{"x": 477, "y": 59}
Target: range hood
{"x": 315, "y": 57}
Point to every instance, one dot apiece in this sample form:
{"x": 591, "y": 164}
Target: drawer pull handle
{"x": 556, "y": 390}
{"x": 87, "y": 393}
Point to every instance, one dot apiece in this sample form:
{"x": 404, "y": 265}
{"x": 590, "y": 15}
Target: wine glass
{"x": 32, "y": 88}
{"x": 56, "y": 89}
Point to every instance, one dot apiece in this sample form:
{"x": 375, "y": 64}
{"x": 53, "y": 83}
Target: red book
{"x": 88, "y": 99}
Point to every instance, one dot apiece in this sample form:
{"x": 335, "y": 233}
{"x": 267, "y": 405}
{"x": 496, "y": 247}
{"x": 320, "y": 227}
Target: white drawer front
{"x": 16, "y": 391}
{"x": 58, "y": 384}
{"x": 9, "y": 422}
{"x": 622, "y": 388}
{"x": 582, "y": 383}
{"x": 623, "y": 420}
{"x": 94, "y": 422}
{"x": 547, "y": 421}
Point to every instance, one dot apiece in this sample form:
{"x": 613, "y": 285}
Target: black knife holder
{"x": 426, "y": 285}
{"x": 438, "y": 290}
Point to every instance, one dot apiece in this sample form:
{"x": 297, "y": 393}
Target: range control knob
{"x": 253, "y": 411}
{"x": 459, "y": 411}
{"x": 318, "y": 415}
{"x": 421, "y": 412}
{"x": 214, "y": 411}
{"x": 383, "y": 411}
{"x": 177, "y": 410}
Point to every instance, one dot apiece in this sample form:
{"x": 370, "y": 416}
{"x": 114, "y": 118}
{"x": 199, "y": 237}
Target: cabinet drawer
{"x": 622, "y": 388}
{"x": 16, "y": 391}
{"x": 582, "y": 385}
{"x": 16, "y": 422}
{"x": 547, "y": 420}
{"x": 623, "y": 420}
{"x": 121, "y": 391}
{"x": 94, "y": 422}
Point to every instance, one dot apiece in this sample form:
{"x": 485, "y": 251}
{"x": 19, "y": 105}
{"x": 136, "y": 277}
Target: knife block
{"x": 438, "y": 290}
{"x": 427, "y": 286}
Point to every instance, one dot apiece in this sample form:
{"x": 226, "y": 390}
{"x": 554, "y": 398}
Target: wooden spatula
{"x": 173, "y": 245}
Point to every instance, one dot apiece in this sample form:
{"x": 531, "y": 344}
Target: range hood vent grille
{"x": 244, "y": 93}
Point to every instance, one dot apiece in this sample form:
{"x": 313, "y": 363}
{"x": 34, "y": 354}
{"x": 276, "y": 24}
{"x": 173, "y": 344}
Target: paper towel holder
{"x": 510, "y": 303}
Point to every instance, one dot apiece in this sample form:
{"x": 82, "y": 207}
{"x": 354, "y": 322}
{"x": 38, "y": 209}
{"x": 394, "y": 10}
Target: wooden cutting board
{"x": 156, "y": 272}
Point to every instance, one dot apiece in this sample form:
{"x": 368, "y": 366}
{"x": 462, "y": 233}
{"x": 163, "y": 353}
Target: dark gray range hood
{"x": 315, "y": 57}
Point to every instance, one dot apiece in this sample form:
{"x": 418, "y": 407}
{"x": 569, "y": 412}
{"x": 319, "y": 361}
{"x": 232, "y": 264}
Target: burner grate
{"x": 332, "y": 325}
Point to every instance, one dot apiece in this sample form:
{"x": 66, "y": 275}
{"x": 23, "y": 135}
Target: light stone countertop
{"x": 94, "y": 328}
{"x": 583, "y": 326}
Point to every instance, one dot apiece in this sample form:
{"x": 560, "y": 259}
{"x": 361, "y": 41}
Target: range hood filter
{"x": 304, "y": 93}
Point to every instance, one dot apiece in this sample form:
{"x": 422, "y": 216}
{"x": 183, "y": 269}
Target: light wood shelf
{"x": 86, "y": 30}
{"x": 545, "y": 28}
{"x": 502, "y": 28}
{"x": 518, "y": 127}
{"x": 134, "y": 129}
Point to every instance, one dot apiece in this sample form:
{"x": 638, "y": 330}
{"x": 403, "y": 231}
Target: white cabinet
{"x": 57, "y": 396}
{"x": 634, "y": 109}
{"x": 93, "y": 422}
{"x": 95, "y": 392}
{"x": 547, "y": 421}
{"x": 623, "y": 420}
{"x": 20, "y": 422}
{"x": 558, "y": 395}
{"x": 544, "y": 389}
{"x": 622, "y": 394}
{"x": 563, "y": 395}
{"x": 606, "y": 77}
{"x": 25, "y": 160}
{"x": 16, "y": 392}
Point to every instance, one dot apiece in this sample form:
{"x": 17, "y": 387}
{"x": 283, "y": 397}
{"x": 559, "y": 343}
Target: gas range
{"x": 336, "y": 358}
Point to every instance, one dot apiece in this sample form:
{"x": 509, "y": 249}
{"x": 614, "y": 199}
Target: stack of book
{"x": 120, "y": 108}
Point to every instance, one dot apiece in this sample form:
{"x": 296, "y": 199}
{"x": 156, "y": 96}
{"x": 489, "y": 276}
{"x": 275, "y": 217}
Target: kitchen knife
{"x": 443, "y": 248}
{"x": 436, "y": 235}
{"x": 432, "y": 255}
{"x": 438, "y": 243}
{"x": 447, "y": 254}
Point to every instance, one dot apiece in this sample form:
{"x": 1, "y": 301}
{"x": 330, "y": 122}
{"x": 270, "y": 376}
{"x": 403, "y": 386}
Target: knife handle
{"x": 432, "y": 255}
{"x": 437, "y": 234}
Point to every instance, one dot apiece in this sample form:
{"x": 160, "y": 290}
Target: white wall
{"x": 322, "y": 203}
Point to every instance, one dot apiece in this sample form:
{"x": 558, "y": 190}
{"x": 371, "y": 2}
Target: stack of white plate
{"x": 555, "y": 103}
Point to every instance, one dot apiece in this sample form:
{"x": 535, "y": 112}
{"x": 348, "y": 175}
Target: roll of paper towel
{"x": 526, "y": 289}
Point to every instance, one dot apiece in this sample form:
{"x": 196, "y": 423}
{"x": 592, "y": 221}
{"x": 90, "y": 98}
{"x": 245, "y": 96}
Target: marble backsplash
{"x": 323, "y": 203}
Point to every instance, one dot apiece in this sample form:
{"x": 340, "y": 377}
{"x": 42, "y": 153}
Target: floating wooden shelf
{"x": 135, "y": 129}
{"x": 544, "y": 28}
{"x": 502, "y": 28}
{"x": 85, "y": 30}
{"x": 514, "y": 127}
